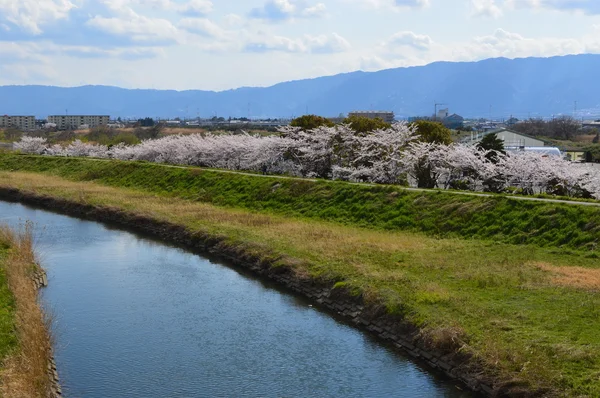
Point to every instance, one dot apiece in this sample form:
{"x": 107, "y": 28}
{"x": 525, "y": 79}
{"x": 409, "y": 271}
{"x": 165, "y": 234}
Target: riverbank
{"x": 25, "y": 346}
{"x": 514, "y": 318}
{"x": 379, "y": 207}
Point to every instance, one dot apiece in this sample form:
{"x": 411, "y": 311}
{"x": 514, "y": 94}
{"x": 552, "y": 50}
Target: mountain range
{"x": 497, "y": 87}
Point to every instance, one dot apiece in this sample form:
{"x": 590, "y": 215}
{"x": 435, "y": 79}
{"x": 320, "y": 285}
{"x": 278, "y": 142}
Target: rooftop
{"x": 372, "y": 112}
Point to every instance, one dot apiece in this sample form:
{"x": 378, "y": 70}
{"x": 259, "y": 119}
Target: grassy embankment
{"x": 25, "y": 346}
{"x": 516, "y": 282}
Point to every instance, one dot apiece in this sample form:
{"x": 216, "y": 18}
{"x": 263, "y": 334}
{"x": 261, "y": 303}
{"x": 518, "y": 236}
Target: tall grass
{"x": 24, "y": 372}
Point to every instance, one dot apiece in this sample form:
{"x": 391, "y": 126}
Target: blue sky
{"x": 222, "y": 44}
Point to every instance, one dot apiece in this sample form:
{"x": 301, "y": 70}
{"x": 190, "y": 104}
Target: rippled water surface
{"x": 137, "y": 318}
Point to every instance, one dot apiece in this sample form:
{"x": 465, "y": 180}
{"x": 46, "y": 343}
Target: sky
{"x": 224, "y": 44}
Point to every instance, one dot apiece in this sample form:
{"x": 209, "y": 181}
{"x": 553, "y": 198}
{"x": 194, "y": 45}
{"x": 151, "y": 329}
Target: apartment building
{"x": 386, "y": 116}
{"x": 73, "y": 122}
{"x": 24, "y": 123}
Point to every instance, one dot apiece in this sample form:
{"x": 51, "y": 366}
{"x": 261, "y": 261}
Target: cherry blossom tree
{"x": 31, "y": 145}
{"x": 390, "y": 155}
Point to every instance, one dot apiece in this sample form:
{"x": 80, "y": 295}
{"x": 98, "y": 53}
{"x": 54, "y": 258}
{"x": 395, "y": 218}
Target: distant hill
{"x": 520, "y": 87}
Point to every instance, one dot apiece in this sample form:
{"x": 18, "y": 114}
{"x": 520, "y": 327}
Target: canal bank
{"x": 373, "y": 317}
{"x": 27, "y": 365}
{"x": 494, "y": 303}
{"x": 137, "y": 318}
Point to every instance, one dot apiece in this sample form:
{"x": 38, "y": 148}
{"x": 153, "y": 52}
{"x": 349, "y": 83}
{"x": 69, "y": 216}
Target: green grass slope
{"x": 436, "y": 213}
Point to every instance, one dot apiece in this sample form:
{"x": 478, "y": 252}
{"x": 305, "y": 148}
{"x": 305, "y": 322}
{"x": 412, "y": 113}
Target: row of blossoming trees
{"x": 394, "y": 155}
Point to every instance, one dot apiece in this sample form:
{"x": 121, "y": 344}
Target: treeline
{"x": 560, "y": 128}
{"x": 419, "y": 154}
{"x": 359, "y": 124}
{"x": 103, "y": 135}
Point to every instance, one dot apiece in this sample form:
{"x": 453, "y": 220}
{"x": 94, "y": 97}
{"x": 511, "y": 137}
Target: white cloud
{"x": 586, "y": 6}
{"x": 409, "y": 51}
{"x": 134, "y": 27}
{"x": 202, "y": 26}
{"x": 233, "y": 20}
{"x": 316, "y": 11}
{"x": 411, "y": 39}
{"x": 122, "y": 53}
{"x": 322, "y": 44}
{"x": 189, "y": 7}
{"x": 11, "y": 52}
{"x": 412, "y": 3}
{"x": 405, "y": 48}
{"x": 373, "y": 62}
{"x": 507, "y": 44}
{"x": 51, "y": 32}
{"x": 31, "y": 15}
{"x": 31, "y": 73}
{"x": 393, "y": 4}
{"x": 326, "y": 44}
{"x": 499, "y": 36}
{"x": 195, "y": 7}
{"x": 282, "y": 10}
{"x": 485, "y": 8}
{"x": 137, "y": 28}
{"x": 275, "y": 43}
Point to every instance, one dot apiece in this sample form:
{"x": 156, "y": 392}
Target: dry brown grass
{"x": 329, "y": 239}
{"x": 444, "y": 338}
{"x": 587, "y": 138}
{"x": 182, "y": 130}
{"x": 24, "y": 374}
{"x": 577, "y": 277}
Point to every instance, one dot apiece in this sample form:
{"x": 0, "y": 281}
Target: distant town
{"x": 81, "y": 122}
{"x": 557, "y": 134}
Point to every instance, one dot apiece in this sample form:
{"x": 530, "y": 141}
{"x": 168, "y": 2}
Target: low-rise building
{"x": 591, "y": 124}
{"x": 454, "y": 121}
{"x": 511, "y": 139}
{"x": 24, "y": 123}
{"x": 386, "y": 116}
{"x": 442, "y": 114}
{"x": 73, "y": 122}
{"x": 578, "y": 155}
{"x": 172, "y": 123}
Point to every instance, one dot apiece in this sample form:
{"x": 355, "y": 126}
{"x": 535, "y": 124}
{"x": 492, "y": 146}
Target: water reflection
{"x": 136, "y": 318}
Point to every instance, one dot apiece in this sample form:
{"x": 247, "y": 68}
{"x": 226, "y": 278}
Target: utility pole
{"x": 575, "y": 110}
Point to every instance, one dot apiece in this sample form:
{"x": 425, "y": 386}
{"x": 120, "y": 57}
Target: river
{"x": 134, "y": 317}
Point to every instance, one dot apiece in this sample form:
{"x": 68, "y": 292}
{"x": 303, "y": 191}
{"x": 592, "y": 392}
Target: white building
{"x": 542, "y": 150}
{"x": 24, "y": 123}
{"x": 442, "y": 114}
{"x": 173, "y": 123}
{"x": 73, "y": 122}
{"x": 511, "y": 139}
